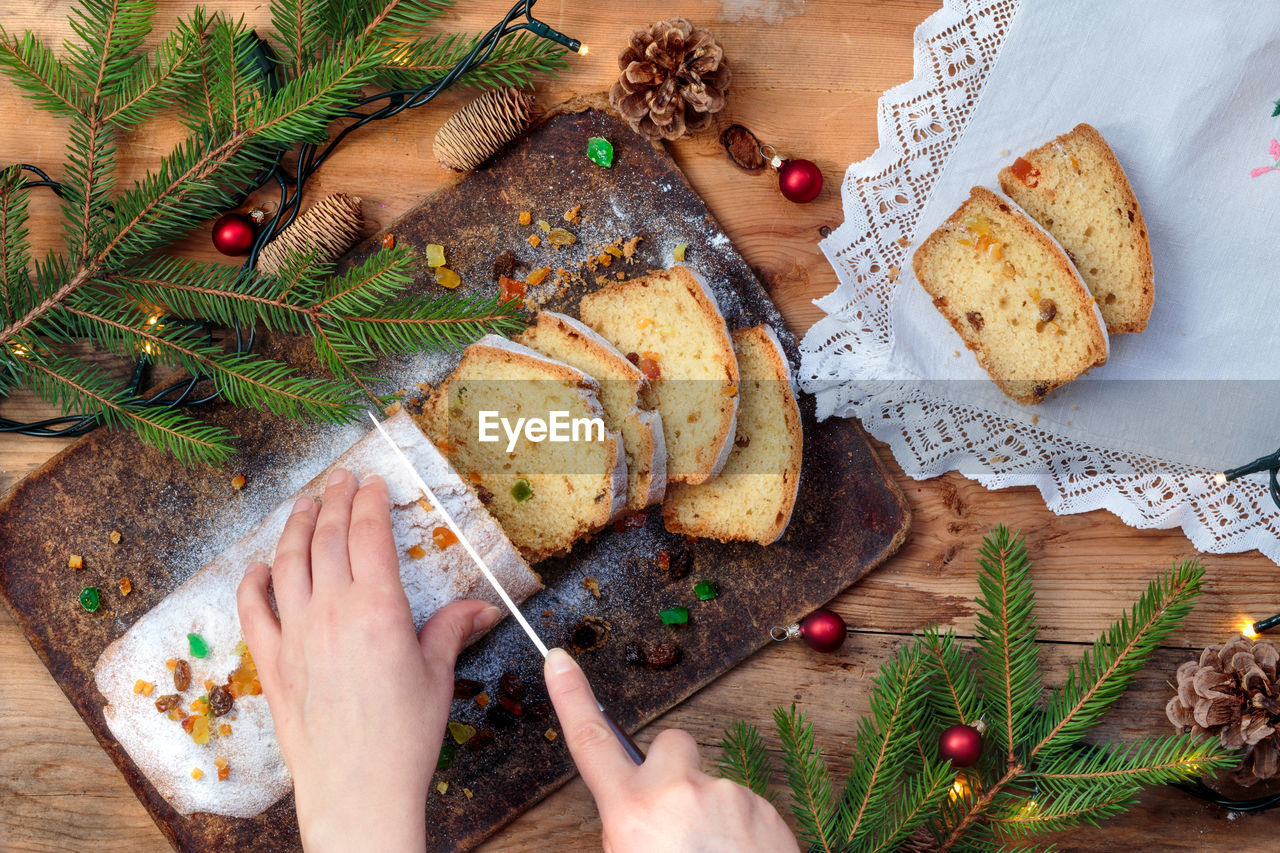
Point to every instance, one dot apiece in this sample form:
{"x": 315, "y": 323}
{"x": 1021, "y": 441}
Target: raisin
{"x": 680, "y": 565}
{"x": 589, "y": 635}
{"x": 481, "y": 739}
{"x": 504, "y": 265}
{"x": 633, "y": 357}
{"x": 465, "y": 688}
{"x": 513, "y": 705}
{"x": 220, "y": 700}
{"x": 635, "y": 654}
{"x": 1040, "y": 390}
{"x": 511, "y": 685}
{"x": 182, "y": 676}
{"x": 663, "y": 655}
{"x": 168, "y": 702}
{"x": 499, "y": 717}
{"x": 1048, "y": 310}
{"x": 538, "y": 710}
{"x": 975, "y": 320}
{"x": 485, "y": 496}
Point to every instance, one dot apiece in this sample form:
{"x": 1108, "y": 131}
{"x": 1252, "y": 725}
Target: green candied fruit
{"x": 90, "y": 599}
{"x": 521, "y": 491}
{"x": 199, "y": 648}
{"x": 447, "y": 753}
{"x": 706, "y": 590}
{"x": 674, "y": 616}
{"x": 600, "y": 151}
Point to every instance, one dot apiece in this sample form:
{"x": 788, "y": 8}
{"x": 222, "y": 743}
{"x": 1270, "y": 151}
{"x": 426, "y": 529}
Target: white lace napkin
{"x": 1183, "y": 91}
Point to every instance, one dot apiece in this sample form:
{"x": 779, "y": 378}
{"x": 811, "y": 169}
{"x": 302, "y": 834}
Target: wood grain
{"x": 809, "y": 84}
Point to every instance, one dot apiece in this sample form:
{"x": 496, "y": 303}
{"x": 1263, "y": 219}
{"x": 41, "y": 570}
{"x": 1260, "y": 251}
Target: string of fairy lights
{"x": 188, "y": 392}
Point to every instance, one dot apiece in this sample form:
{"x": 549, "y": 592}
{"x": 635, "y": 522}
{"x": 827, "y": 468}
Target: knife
{"x": 628, "y": 745}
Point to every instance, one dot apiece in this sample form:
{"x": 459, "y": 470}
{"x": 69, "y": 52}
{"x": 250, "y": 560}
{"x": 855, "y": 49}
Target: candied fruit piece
{"x": 200, "y": 729}
{"x": 461, "y": 732}
{"x": 521, "y": 491}
{"x": 649, "y": 367}
{"x": 511, "y": 288}
{"x": 592, "y": 586}
{"x": 573, "y": 214}
{"x": 417, "y": 552}
{"x": 511, "y": 685}
{"x": 114, "y": 537}
{"x": 730, "y": 390}
{"x": 442, "y": 787}
{"x": 143, "y": 687}
{"x": 75, "y": 561}
{"x": 90, "y": 599}
{"x": 561, "y": 237}
{"x": 535, "y": 241}
{"x": 224, "y": 729}
{"x": 600, "y": 151}
{"x": 219, "y": 762}
{"x": 199, "y": 648}
{"x": 188, "y": 723}
{"x": 467, "y": 791}
{"x": 644, "y": 322}
{"x": 481, "y": 739}
{"x": 446, "y": 277}
{"x": 172, "y": 664}
{"x": 435, "y": 255}
{"x": 388, "y": 241}
{"x": 482, "y": 699}
{"x": 445, "y": 759}
{"x": 1025, "y": 172}
{"x": 605, "y": 259}
{"x": 126, "y": 585}
{"x": 706, "y": 590}
{"x": 544, "y": 226}
{"x": 674, "y": 616}
{"x": 223, "y": 773}
{"x": 443, "y": 537}
{"x": 526, "y": 218}
{"x": 197, "y": 774}
{"x": 238, "y": 481}
{"x": 551, "y": 735}
{"x": 538, "y": 276}
{"x": 678, "y": 254}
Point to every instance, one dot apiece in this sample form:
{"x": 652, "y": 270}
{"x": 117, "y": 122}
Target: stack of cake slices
{"x": 703, "y": 422}
{"x": 1034, "y": 281}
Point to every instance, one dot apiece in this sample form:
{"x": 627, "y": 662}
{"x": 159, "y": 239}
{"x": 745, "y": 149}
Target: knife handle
{"x": 629, "y": 746}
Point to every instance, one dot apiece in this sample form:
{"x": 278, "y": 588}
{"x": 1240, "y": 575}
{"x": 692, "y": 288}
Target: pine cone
{"x": 479, "y": 130}
{"x": 1231, "y": 691}
{"x": 674, "y": 79}
{"x": 329, "y": 227}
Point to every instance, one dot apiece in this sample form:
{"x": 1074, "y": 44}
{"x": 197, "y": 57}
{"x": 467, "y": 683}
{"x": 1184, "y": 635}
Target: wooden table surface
{"x": 807, "y": 76}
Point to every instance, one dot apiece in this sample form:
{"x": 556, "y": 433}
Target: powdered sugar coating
{"x": 206, "y": 605}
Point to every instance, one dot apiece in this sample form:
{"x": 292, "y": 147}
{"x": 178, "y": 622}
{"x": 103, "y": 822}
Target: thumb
{"x": 451, "y": 629}
{"x": 600, "y": 758}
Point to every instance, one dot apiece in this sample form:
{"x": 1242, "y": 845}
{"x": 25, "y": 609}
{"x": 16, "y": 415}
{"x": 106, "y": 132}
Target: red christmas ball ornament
{"x": 961, "y": 745}
{"x": 234, "y": 233}
{"x": 822, "y": 630}
{"x": 799, "y": 180}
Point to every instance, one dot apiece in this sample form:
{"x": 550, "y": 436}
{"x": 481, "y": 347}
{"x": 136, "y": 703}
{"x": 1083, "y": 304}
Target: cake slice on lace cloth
{"x": 181, "y": 689}
{"x": 1011, "y": 293}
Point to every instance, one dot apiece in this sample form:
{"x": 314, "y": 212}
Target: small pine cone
{"x": 328, "y": 228}
{"x": 674, "y": 80}
{"x": 1233, "y": 692}
{"x": 480, "y": 129}
{"x": 919, "y": 841}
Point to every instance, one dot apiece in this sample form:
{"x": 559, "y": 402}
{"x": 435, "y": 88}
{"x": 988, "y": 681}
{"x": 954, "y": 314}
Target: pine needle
{"x": 745, "y": 760}
{"x": 811, "y": 792}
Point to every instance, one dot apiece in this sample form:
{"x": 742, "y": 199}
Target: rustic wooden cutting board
{"x": 849, "y": 516}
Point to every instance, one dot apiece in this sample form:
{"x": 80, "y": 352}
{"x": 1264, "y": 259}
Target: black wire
{"x": 290, "y": 206}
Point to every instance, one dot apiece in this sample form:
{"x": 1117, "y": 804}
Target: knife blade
{"x": 629, "y": 746}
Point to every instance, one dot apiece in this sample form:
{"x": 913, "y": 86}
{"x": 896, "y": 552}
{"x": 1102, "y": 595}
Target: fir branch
{"x": 745, "y": 760}
{"x": 1151, "y": 761}
{"x": 884, "y": 745}
{"x": 1021, "y": 818}
{"x": 72, "y": 386}
{"x": 513, "y": 62}
{"x": 386, "y": 18}
{"x": 811, "y": 795}
{"x": 299, "y": 31}
{"x": 15, "y": 253}
{"x": 1006, "y": 635}
{"x": 953, "y": 685}
{"x": 46, "y": 80}
{"x": 1104, "y": 671}
{"x": 918, "y": 798}
{"x": 110, "y": 32}
{"x": 157, "y": 80}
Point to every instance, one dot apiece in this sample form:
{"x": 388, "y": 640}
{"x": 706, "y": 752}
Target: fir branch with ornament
{"x": 114, "y": 288}
{"x": 965, "y": 754}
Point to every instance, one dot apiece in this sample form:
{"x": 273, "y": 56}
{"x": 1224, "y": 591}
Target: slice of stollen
{"x": 433, "y": 576}
{"x": 670, "y": 324}
{"x": 621, "y": 388}
{"x": 1076, "y": 189}
{"x": 753, "y": 496}
{"x": 546, "y": 493}
{"x": 1013, "y": 296}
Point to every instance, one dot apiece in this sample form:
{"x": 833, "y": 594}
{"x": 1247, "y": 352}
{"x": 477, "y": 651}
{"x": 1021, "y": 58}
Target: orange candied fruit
{"x": 482, "y": 700}
{"x": 644, "y": 322}
{"x": 475, "y": 476}
{"x": 731, "y": 390}
{"x": 417, "y": 552}
{"x": 388, "y": 241}
{"x": 535, "y": 241}
{"x": 538, "y": 276}
{"x": 605, "y": 259}
{"x": 219, "y": 762}
{"x": 223, "y": 773}
{"x": 75, "y": 561}
{"x": 114, "y": 537}
{"x": 200, "y": 729}
{"x": 126, "y": 585}
{"x": 188, "y": 723}
{"x": 1025, "y": 172}
{"x": 143, "y": 687}
{"x": 526, "y": 218}
{"x": 200, "y": 706}
{"x": 197, "y": 774}
{"x": 224, "y": 729}
{"x": 443, "y": 537}
{"x": 238, "y": 481}
{"x": 244, "y": 681}
{"x": 511, "y": 288}
{"x": 171, "y": 664}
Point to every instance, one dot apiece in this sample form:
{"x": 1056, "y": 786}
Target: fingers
{"x": 291, "y": 571}
{"x": 600, "y": 758}
{"x": 371, "y": 548}
{"x": 673, "y": 750}
{"x": 330, "y": 559}
{"x": 452, "y": 627}
{"x": 259, "y": 623}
